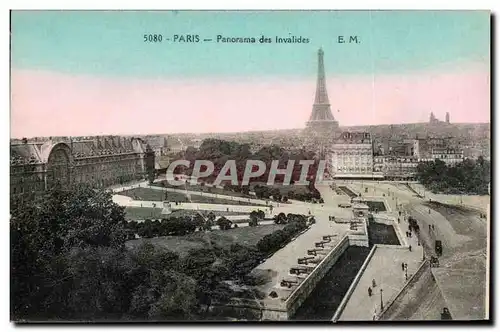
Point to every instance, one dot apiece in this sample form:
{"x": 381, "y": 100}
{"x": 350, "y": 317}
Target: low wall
{"x": 389, "y": 308}
{"x": 354, "y": 283}
{"x": 386, "y": 220}
{"x": 300, "y": 294}
{"x": 361, "y": 239}
{"x": 274, "y": 314}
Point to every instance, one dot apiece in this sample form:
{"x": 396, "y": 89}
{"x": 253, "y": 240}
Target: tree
{"x": 254, "y": 220}
{"x": 469, "y": 176}
{"x": 43, "y": 234}
{"x": 224, "y": 223}
{"x": 280, "y": 218}
{"x": 64, "y": 269}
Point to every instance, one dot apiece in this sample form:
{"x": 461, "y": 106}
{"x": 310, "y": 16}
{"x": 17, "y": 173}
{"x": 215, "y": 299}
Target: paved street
{"x": 385, "y": 265}
{"x": 461, "y": 277}
{"x": 385, "y": 268}
{"x": 479, "y": 202}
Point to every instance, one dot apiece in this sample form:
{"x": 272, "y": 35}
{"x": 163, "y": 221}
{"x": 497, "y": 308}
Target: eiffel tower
{"x": 322, "y": 126}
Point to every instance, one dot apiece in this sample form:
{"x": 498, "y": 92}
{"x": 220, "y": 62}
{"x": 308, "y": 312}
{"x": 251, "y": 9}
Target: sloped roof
{"x": 80, "y": 147}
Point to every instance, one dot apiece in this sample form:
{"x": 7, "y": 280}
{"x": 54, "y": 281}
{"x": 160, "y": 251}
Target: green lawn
{"x": 147, "y": 194}
{"x": 138, "y": 213}
{"x": 283, "y": 189}
{"x": 144, "y": 194}
{"x": 181, "y": 244}
{"x": 205, "y": 189}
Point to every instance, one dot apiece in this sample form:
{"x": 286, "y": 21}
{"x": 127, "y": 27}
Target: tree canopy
{"x": 69, "y": 261}
{"x": 467, "y": 177}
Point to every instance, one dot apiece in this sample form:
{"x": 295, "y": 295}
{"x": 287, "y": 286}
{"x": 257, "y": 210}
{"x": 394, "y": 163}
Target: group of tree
{"x": 279, "y": 195}
{"x": 255, "y": 217}
{"x": 312, "y": 196}
{"x": 467, "y": 177}
{"x": 164, "y": 227}
{"x": 245, "y": 190}
{"x": 282, "y": 218}
{"x": 179, "y": 226}
{"x": 278, "y": 239}
{"x": 69, "y": 261}
{"x": 219, "y": 151}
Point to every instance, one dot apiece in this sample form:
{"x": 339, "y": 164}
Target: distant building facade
{"x": 401, "y": 168}
{"x": 98, "y": 161}
{"x": 449, "y": 155}
{"x": 351, "y": 156}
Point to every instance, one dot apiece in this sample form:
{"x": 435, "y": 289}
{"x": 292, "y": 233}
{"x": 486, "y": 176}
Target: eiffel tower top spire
{"x": 321, "y": 108}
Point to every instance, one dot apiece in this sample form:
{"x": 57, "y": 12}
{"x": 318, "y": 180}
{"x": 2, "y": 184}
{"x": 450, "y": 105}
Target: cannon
{"x": 319, "y": 245}
{"x": 304, "y": 260}
{"x": 288, "y": 283}
{"x": 312, "y": 252}
{"x": 300, "y": 270}
{"x": 327, "y": 238}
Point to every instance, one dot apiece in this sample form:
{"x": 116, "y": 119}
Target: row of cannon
{"x": 317, "y": 255}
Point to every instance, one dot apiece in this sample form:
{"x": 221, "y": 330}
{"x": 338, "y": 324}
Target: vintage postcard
{"x": 250, "y": 166}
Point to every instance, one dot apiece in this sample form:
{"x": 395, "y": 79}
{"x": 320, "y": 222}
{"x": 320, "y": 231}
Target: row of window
{"x": 352, "y": 169}
{"x": 448, "y": 156}
{"x": 27, "y": 187}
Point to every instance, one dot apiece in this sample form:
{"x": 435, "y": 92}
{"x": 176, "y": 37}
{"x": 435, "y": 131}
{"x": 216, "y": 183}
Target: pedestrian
{"x": 402, "y": 266}
{"x": 374, "y": 284}
{"x": 432, "y": 227}
{"x": 369, "y": 291}
{"x": 406, "y": 266}
{"x": 409, "y": 247}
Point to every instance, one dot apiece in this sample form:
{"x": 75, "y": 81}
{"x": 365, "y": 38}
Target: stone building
{"x": 402, "y": 168}
{"x": 450, "y": 156}
{"x": 38, "y": 165}
{"x": 351, "y": 156}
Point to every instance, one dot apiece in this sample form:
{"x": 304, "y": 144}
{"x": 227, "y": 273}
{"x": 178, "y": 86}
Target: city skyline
{"x": 398, "y": 75}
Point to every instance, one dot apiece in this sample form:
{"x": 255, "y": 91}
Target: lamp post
{"x": 381, "y": 301}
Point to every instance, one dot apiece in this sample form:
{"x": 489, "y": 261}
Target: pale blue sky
{"x": 111, "y": 43}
